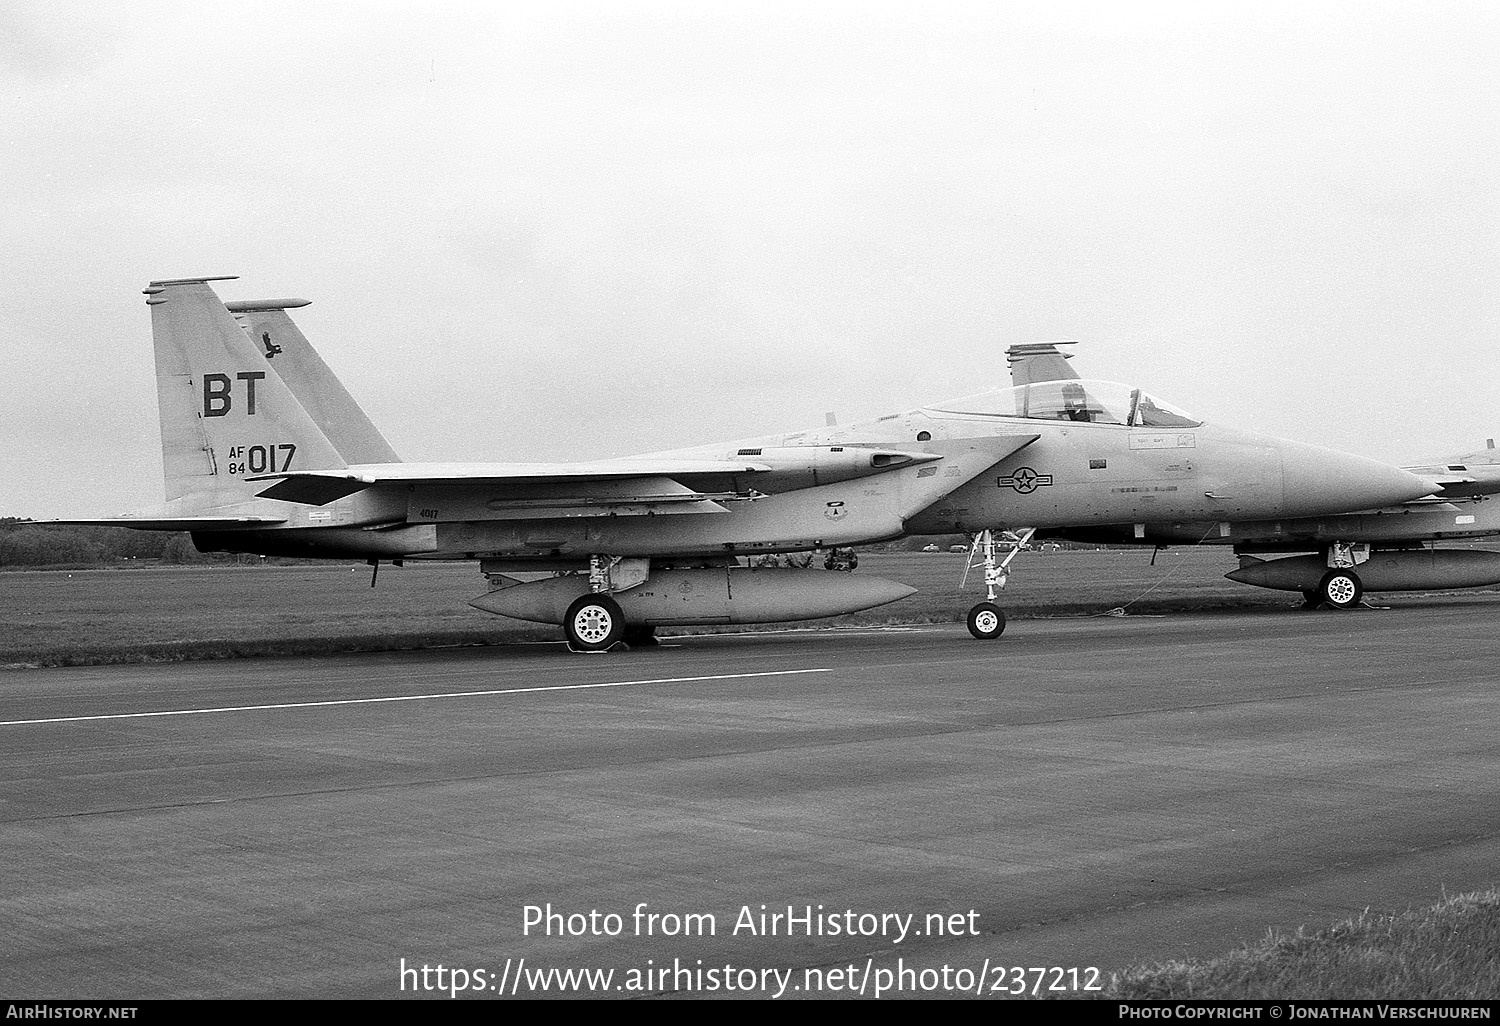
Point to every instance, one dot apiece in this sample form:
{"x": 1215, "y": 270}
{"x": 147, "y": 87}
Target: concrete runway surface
{"x": 1096, "y": 792}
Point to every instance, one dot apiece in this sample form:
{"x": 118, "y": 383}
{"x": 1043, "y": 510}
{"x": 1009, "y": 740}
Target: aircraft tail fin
{"x": 1040, "y": 361}
{"x": 288, "y": 352}
{"x": 225, "y": 414}
{"x": 1489, "y": 456}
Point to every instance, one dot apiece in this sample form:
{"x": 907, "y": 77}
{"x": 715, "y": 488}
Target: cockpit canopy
{"x": 1080, "y": 400}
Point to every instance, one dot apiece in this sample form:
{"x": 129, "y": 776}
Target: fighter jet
{"x": 1396, "y": 548}
{"x": 1384, "y": 548}
{"x": 264, "y": 452}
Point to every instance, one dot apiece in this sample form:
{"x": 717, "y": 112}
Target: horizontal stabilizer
{"x": 172, "y": 523}
{"x": 312, "y": 489}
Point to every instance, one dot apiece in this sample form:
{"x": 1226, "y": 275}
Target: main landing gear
{"x": 1340, "y": 587}
{"x": 593, "y": 623}
{"x": 987, "y": 620}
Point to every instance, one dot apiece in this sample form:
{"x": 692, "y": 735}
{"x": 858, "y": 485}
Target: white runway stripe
{"x": 409, "y": 698}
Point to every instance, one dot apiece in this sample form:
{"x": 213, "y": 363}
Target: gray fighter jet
{"x": 1397, "y": 547}
{"x": 265, "y": 452}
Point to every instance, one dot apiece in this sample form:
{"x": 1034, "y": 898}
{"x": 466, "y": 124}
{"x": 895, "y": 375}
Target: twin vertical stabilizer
{"x": 225, "y": 413}
{"x": 312, "y": 383}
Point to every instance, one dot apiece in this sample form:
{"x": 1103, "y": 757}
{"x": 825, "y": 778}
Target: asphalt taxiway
{"x": 1084, "y": 792}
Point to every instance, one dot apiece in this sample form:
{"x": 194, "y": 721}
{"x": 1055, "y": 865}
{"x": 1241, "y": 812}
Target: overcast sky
{"x": 551, "y": 231}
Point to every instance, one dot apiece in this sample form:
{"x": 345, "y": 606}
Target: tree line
{"x": 24, "y": 543}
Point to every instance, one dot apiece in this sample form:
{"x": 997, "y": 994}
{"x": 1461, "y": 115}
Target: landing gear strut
{"x": 595, "y": 622}
{"x": 987, "y": 620}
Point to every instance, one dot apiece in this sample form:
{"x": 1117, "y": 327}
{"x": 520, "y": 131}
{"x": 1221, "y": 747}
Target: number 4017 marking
{"x": 261, "y": 459}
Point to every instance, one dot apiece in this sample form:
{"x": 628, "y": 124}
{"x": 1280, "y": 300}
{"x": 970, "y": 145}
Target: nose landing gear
{"x": 987, "y": 620}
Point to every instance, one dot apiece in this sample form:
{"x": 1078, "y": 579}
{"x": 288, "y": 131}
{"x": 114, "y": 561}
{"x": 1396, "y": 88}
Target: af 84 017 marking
{"x": 261, "y": 459}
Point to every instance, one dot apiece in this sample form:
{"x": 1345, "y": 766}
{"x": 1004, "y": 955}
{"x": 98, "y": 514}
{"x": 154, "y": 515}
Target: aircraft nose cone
{"x": 1318, "y": 481}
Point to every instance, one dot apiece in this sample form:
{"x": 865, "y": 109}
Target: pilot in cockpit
{"x": 1075, "y": 402}
{"x": 1148, "y": 414}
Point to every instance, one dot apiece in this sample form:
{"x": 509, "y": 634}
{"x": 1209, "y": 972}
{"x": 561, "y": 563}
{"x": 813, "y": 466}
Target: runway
{"x": 1084, "y": 792}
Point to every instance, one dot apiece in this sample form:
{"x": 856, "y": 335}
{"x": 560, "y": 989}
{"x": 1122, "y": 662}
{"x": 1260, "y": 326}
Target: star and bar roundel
{"x": 1024, "y": 480}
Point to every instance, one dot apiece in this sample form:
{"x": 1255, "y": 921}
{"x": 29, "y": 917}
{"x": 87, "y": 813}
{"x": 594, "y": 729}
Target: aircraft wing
{"x": 320, "y": 487}
{"x": 649, "y": 484}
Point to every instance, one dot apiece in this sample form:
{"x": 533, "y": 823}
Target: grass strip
{"x": 1450, "y": 951}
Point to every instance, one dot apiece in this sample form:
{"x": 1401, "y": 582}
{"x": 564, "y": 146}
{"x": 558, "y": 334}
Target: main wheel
{"x": 593, "y": 622}
{"x": 986, "y": 621}
{"x": 1341, "y": 589}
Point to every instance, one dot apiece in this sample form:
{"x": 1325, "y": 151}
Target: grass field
{"x": 165, "y": 612}
{"x": 1448, "y": 952}
{"x": 151, "y": 612}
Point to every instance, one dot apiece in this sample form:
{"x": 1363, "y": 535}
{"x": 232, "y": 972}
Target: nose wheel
{"x": 986, "y": 621}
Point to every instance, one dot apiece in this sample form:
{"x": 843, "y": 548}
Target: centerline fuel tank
{"x": 705, "y": 596}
